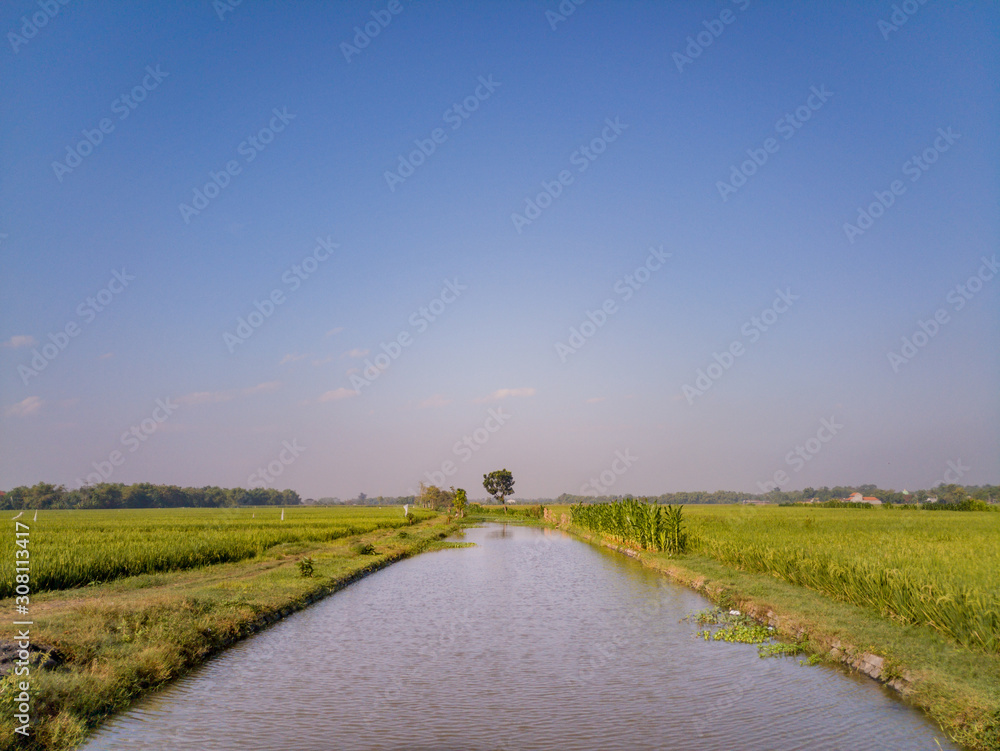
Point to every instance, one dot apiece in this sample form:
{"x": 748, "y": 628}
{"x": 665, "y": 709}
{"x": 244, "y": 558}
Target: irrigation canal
{"x": 530, "y": 640}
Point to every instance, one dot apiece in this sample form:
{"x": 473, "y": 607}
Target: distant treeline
{"x": 141, "y": 495}
{"x": 696, "y": 496}
{"x": 969, "y": 504}
{"x": 947, "y": 494}
{"x": 943, "y": 493}
{"x": 363, "y": 500}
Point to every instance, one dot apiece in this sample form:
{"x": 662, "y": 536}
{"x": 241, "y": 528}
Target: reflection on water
{"x": 531, "y": 640}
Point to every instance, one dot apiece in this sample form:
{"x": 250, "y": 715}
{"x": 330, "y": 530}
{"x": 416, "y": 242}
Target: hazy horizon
{"x": 677, "y": 243}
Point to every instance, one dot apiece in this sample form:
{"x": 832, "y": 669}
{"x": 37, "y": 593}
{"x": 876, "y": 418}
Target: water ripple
{"x": 531, "y": 640}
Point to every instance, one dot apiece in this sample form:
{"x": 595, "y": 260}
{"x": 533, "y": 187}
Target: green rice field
{"x": 76, "y": 548}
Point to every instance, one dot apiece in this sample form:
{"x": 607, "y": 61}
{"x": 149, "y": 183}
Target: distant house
{"x": 869, "y": 499}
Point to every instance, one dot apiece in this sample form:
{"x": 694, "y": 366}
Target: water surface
{"x": 530, "y": 640}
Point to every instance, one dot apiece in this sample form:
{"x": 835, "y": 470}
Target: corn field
{"x": 937, "y": 570}
{"x": 635, "y": 522}
{"x": 75, "y": 548}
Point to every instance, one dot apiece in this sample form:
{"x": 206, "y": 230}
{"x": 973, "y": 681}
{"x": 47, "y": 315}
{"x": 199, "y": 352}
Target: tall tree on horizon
{"x": 499, "y": 484}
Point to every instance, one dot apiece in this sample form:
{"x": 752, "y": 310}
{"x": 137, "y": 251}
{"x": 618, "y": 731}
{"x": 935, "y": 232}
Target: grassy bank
{"x": 958, "y": 686}
{"x": 121, "y": 639}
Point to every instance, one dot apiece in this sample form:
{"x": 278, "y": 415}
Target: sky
{"x": 620, "y": 247}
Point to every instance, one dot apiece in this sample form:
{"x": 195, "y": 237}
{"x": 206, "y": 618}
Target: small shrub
{"x": 306, "y": 567}
{"x": 363, "y": 548}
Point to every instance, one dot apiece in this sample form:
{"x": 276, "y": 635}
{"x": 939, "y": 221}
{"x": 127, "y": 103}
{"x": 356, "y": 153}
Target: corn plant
{"x": 635, "y": 522}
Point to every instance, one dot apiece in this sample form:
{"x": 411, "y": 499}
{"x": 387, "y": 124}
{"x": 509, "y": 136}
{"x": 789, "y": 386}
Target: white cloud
{"x": 337, "y": 394}
{"x": 21, "y": 340}
{"x": 438, "y": 400}
{"x": 266, "y": 386}
{"x": 596, "y": 399}
{"x": 26, "y": 407}
{"x": 204, "y": 397}
{"x": 504, "y": 393}
{"x": 356, "y": 352}
{"x": 214, "y": 397}
{"x": 291, "y": 358}
{"x": 106, "y": 356}
{"x": 336, "y": 330}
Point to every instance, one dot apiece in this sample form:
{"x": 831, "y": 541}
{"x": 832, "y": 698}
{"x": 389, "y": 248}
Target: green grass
{"x": 123, "y": 638}
{"x": 77, "y": 548}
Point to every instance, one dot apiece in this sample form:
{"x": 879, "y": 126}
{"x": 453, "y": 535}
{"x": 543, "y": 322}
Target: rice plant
{"x": 936, "y": 570}
{"x": 77, "y": 548}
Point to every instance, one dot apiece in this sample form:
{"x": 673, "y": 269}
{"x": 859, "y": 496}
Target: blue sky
{"x": 613, "y": 113}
